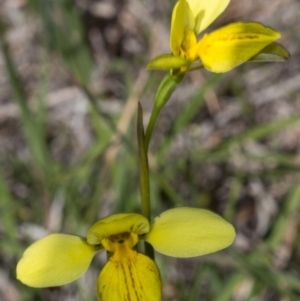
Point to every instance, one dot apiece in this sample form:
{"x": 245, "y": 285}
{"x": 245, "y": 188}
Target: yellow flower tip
{"x": 221, "y": 50}
{"x": 189, "y": 232}
{"x": 132, "y": 276}
{"x": 116, "y": 224}
{"x": 55, "y": 260}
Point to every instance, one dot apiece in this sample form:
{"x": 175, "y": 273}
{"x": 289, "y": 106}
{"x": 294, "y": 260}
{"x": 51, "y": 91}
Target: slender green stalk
{"x": 144, "y": 169}
{"x": 164, "y": 91}
{"x": 144, "y": 175}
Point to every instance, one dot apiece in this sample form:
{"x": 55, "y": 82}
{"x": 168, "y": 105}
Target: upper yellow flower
{"x": 128, "y": 275}
{"x": 220, "y": 50}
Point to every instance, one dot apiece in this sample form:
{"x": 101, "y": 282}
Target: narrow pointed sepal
{"x": 234, "y": 44}
{"x": 55, "y": 260}
{"x": 134, "y": 278}
{"x": 189, "y": 232}
{"x": 272, "y": 53}
{"x": 167, "y": 62}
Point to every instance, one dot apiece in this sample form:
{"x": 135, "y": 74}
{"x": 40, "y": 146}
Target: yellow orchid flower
{"x": 220, "y": 50}
{"x": 59, "y": 259}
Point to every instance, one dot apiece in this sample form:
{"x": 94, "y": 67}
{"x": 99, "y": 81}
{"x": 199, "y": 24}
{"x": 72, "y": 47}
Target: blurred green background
{"x": 71, "y": 73}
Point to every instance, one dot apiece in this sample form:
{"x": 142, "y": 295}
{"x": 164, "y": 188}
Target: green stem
{"x": 144, "y": 169}
{"x": 144, "y": 175}
{"x": 164, "y": 91}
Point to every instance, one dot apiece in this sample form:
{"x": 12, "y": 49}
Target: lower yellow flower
{"x": 128, "y": 275}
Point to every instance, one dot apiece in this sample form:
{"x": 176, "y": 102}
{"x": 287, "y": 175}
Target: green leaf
{"x": 271, "y": 53}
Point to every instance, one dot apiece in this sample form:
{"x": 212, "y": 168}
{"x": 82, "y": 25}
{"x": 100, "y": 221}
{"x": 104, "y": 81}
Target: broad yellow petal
{"x": 134, "y": 278}
{"x": 189, "y": 232}
{"x": 234, "y": 44}
{"x": 206, "y": 11}
{"x": 116, "y": 224}
{"x": 182, "y": 20}
{"x": 55, "y": 260}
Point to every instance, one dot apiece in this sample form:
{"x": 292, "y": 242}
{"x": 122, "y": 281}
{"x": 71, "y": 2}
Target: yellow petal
{"x": 55, "y": 260}
{"x": 182, "y": 20}
{"x": 234, "y": 44}
{"x": 136, "y": 279}
{"x": 189, "y": 232}
{"x": 206, "y": 11}
{"x": 116, "y": 224}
